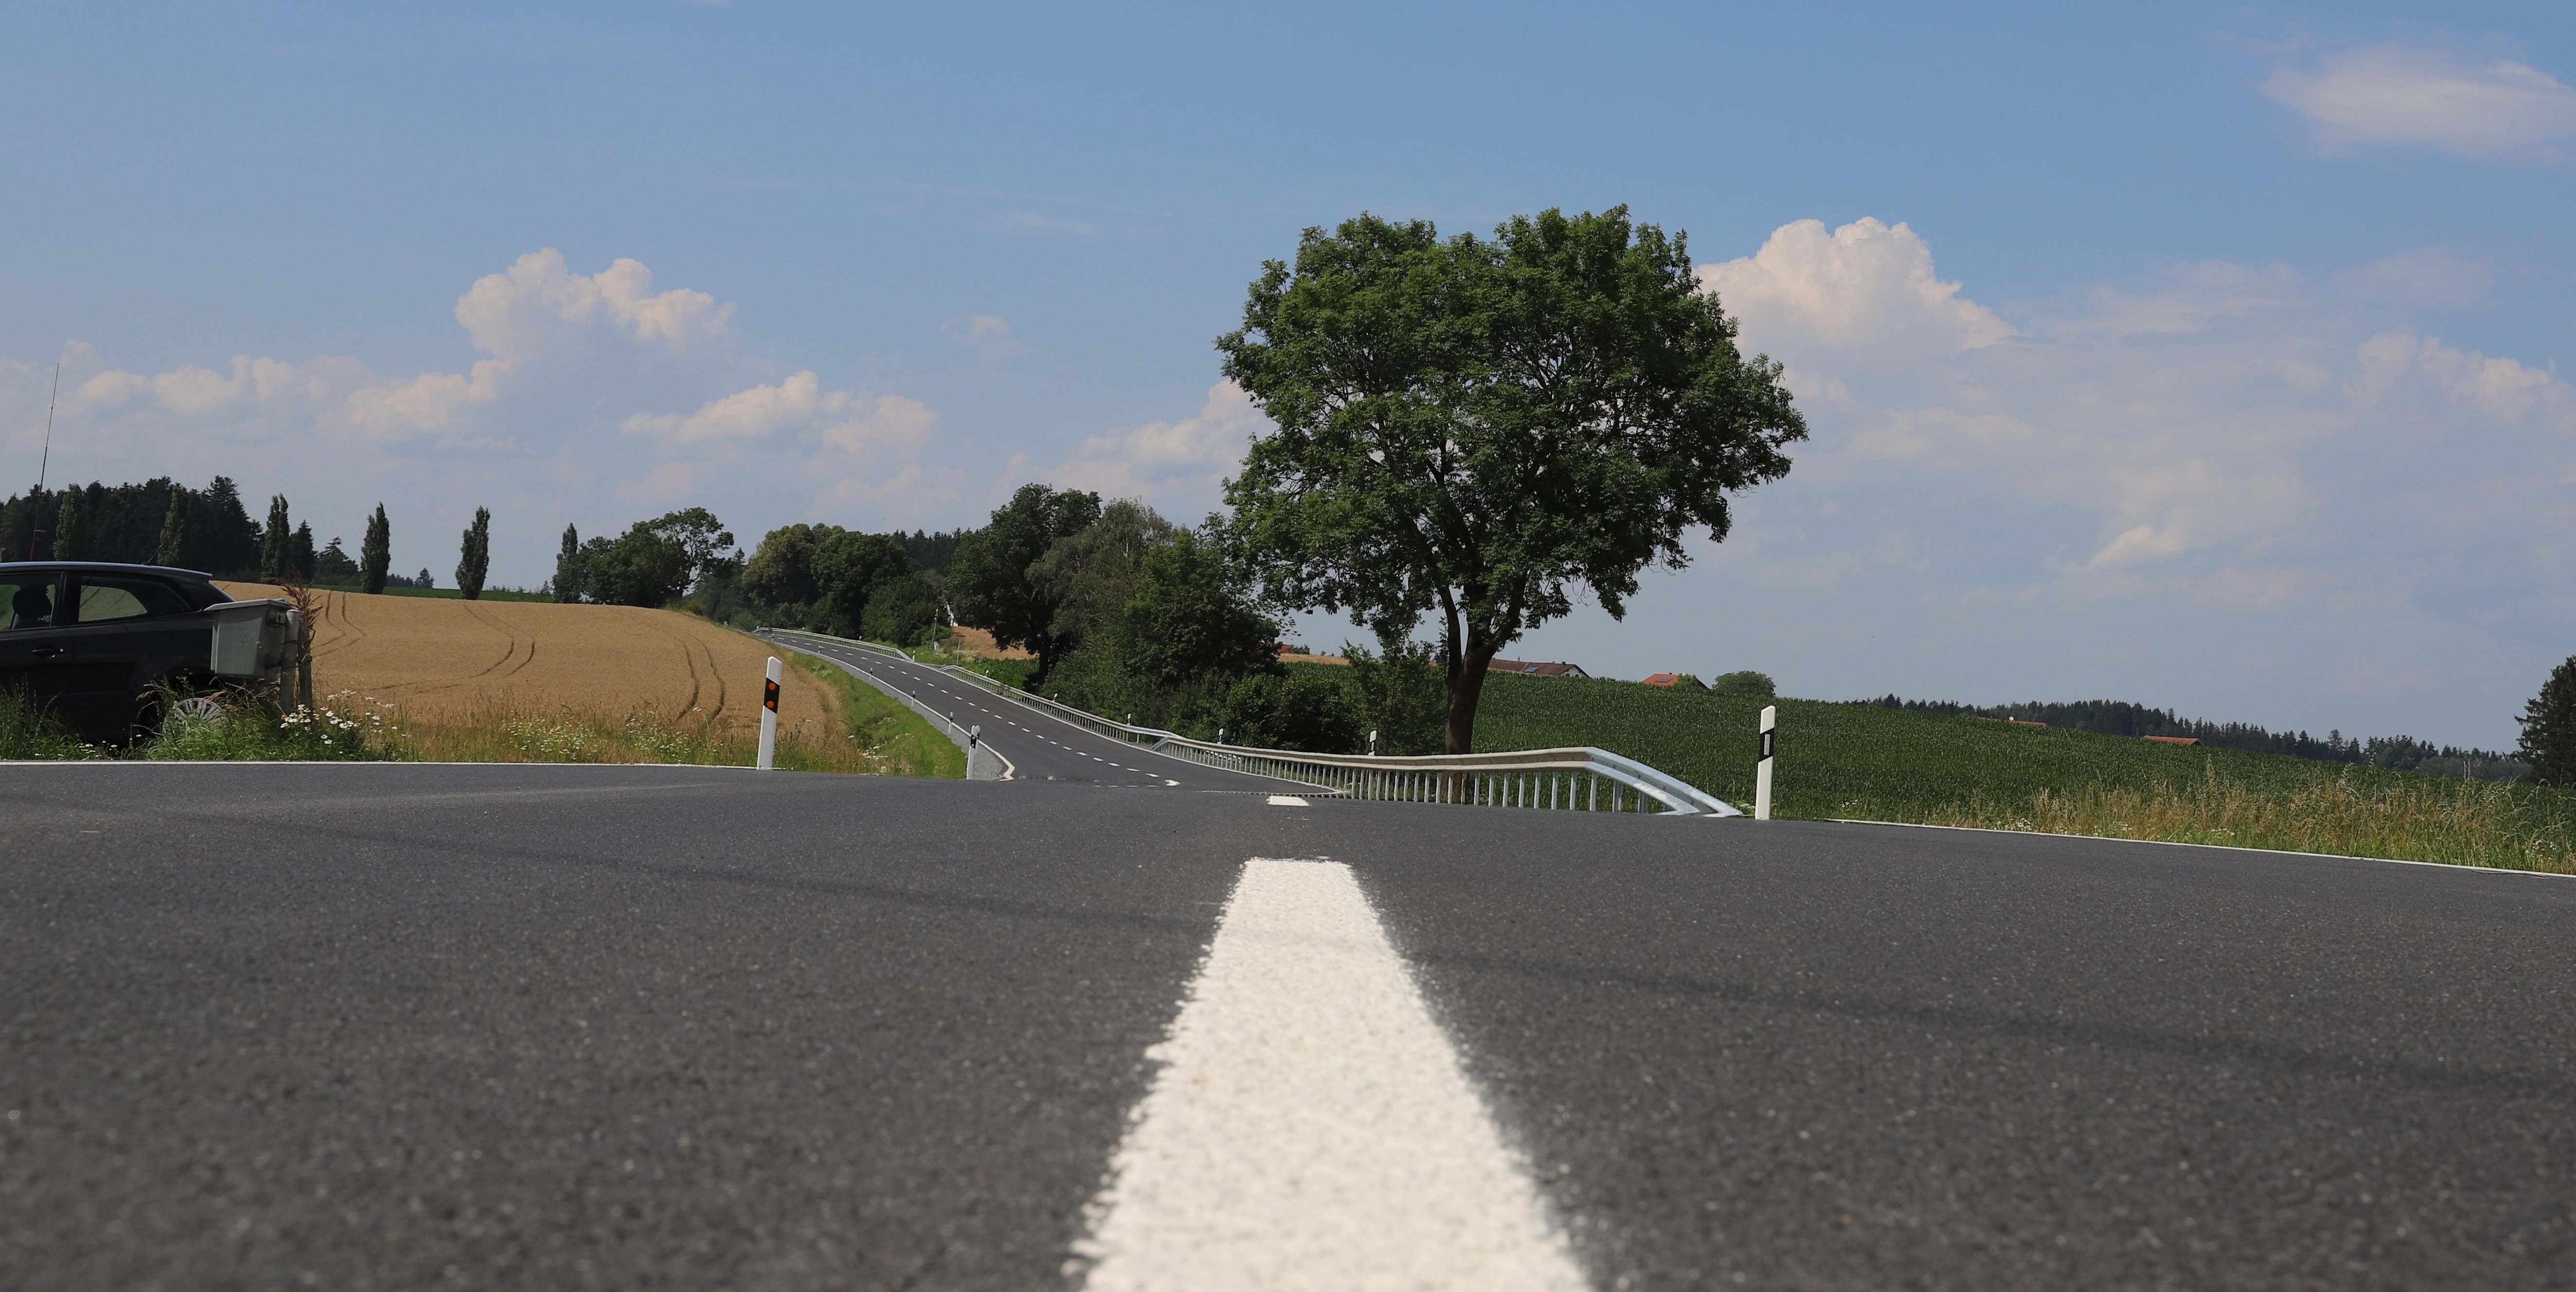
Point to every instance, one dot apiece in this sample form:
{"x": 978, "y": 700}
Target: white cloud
{"x": 2396, "y": 96}
{"x": 591, "y": 395}
{"x": 844, "y": 419}
{"x": 2210, "y": 488}
{"x": 538, "y": 305}
{"x": 1864, "y": 279}
{"x": 1179, "y": 465}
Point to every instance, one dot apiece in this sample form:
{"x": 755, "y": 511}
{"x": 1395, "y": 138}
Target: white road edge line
{"x": 1311, "y": 1126}
{"x": 1288, "y": 800}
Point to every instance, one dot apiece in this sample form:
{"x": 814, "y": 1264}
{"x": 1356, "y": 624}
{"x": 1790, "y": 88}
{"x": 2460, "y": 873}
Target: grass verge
{"x": 1841, "y": 760}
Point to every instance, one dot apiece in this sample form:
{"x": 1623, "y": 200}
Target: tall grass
{"x": 26, "y": 733}
{"x": 2471, "y": 823}
{"x": 242, "y": 728}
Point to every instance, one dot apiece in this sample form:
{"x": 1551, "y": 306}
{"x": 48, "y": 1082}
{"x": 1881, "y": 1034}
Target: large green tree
{"x": 2549, "y": 729}
{"x": 989, "y": 579}
{"x": 1478, "y": 428}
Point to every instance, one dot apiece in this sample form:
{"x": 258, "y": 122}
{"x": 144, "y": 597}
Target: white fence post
{"x": 769, "y": 717}
{"x": 1762, "y": 769}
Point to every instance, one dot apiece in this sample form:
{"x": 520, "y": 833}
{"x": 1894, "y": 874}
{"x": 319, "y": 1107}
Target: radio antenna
{"x": 47, "y": 460}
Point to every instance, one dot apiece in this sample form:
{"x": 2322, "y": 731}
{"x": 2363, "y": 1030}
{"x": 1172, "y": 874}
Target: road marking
{"x": 1311, "y": 1127}
{"x": 1288, "y": 800}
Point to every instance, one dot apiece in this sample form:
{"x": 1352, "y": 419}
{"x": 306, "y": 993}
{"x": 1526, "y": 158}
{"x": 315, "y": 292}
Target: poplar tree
{"x": 569, "y": 575}
{"x": 475, "y": 560}
{"x": 376, "y": 555}
{"x": 173, "y": 551}
{"x": 71, "y": 527}
{"x": 277, "y": 543}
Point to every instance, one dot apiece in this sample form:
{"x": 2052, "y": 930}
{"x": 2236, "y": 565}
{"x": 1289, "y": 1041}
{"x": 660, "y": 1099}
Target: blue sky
{"x": 2203, "y": 356}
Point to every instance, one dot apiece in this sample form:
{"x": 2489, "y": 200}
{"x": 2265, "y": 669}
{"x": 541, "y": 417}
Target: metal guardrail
{"x": 1580, "y": 779}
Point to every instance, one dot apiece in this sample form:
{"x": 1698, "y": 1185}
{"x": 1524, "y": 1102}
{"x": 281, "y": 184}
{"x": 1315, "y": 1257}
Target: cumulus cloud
{"x": 539, "y": 304}
{"x": 2397, "y": 96}
{"x": 1863, "y": 281}
{"x": 2210, "y": 487}
{"x": 587, "y": 390}
{"x": 1179, "y": 465}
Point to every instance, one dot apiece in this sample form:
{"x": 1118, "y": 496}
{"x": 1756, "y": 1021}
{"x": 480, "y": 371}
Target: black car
{"x": 91, "y": 643}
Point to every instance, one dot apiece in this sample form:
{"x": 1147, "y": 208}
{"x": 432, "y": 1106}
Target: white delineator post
{"x": 769, "y": 721}
{"x": 1762, "y": 769}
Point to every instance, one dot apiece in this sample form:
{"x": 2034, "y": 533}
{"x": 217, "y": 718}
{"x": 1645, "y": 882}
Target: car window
{"x": 103, "y": 599}
{"x": 26, "y": 601}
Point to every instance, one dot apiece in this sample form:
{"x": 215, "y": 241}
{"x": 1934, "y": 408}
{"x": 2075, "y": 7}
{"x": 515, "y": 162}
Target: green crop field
{"x": 1855, "y": 761}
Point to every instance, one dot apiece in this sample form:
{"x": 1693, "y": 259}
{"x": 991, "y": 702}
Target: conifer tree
{"x": 2549, "y": 729}
{"x": 173, "y": 551}
{"x": 71, "y": 527}
{"x": 300, "y": 553}
{"x": 277, "y": 543}
{"x": 376, "y": 555}
{"x": 476, "y": 559}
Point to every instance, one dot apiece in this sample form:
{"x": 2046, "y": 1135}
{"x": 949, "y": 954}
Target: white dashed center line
{"x": 1311, "y": 1126}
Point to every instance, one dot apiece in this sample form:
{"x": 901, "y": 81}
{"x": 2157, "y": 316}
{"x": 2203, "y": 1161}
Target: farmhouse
{"x": 1559, "y": 669}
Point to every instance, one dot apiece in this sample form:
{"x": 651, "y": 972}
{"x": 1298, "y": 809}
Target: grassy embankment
{"x": 1852, "y": 761}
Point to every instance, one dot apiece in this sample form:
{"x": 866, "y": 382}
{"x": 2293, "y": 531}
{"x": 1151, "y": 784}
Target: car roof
{"x": 119, "y": 567}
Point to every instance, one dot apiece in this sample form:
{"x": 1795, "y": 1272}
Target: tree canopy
{"x": 1479, "y": 428}
{"x": 2549, "y": 728}
{"x": 990, "y": 579}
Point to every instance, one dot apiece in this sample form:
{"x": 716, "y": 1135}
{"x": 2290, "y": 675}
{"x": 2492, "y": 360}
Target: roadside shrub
{"x": 1403, "y": 696}
{"x": 1299, "y": 711}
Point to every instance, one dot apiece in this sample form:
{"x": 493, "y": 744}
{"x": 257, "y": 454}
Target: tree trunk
{"x": 1466, "y": 687}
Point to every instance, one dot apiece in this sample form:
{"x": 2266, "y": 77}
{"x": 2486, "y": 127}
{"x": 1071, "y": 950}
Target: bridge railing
{"x": 1581, "y": 779}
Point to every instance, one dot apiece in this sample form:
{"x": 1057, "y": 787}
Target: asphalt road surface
{"x": 1039, "y": 748}
{"x": 552, "y": 1027}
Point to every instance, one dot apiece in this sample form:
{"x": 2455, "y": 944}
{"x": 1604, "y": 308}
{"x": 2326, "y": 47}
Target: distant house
{"x": 1683, "y": 680}
{"x": 2172, "y": 740}
{"x": 1558, "y": 669}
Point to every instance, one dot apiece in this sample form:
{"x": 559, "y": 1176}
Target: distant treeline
{"x": 2120, "y": 718}
{"x": 124, "y": 523}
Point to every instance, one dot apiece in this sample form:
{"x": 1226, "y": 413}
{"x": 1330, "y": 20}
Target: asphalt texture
{"x": 508, "y": 1026}
{"x": 1038, "y": 746}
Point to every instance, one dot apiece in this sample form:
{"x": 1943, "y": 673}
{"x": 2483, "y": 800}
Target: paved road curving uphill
{"x": 1038, "y": 746}
{"x": 543, "y": 1027}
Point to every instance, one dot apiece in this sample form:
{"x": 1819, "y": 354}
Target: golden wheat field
{"x": 446, "y": 662}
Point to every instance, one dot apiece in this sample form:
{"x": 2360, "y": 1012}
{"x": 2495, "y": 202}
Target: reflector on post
{"x": 1762, "y": 769}
{"x": 769, "y": 717}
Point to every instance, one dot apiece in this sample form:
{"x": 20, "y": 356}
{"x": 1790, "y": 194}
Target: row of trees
{"x": 162, "y": 522}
